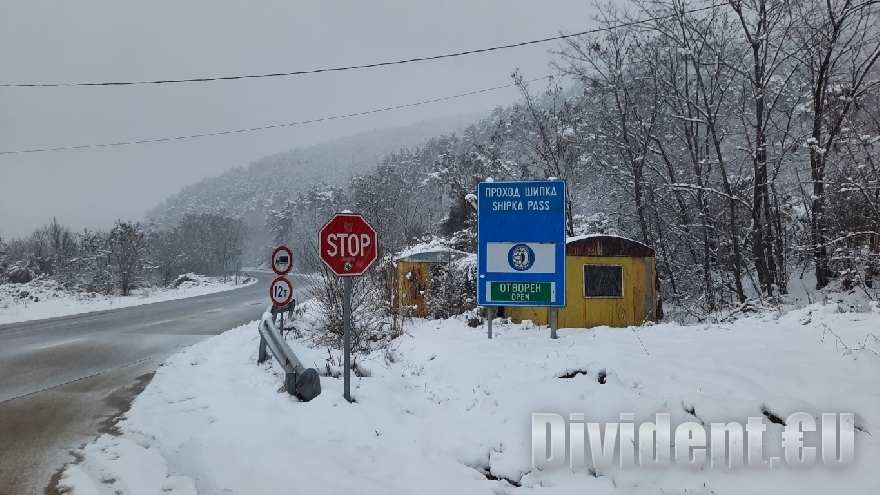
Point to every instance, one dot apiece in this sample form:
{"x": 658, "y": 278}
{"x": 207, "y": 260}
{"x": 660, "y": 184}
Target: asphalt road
{"x": 64, "y": 380}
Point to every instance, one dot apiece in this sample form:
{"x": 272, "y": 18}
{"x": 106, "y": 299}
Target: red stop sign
{"x": 347, "y": 244}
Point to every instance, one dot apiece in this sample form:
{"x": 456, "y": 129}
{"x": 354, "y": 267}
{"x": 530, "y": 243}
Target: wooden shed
{"x": 413, "y": 274}
{"x": 610, "y": 281}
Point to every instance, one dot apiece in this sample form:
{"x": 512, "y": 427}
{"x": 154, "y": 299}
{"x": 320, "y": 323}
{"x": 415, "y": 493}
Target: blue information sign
{"x": 521, "y": 243}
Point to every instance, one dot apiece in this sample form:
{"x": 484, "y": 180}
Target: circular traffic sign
{"x": 282, "y": 260}
{"x": 348, "y": 244}
{"x": 281, "y": 291}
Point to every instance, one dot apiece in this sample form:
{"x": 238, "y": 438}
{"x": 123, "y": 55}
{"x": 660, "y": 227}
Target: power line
{"x": 265, "y": 127}
{"x": 355, "y": 67}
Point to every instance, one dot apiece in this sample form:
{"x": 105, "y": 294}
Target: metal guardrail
{"x": 298, "y": 380}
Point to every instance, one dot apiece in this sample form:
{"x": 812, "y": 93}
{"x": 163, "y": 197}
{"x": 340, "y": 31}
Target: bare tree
{"x": 547, "y": 129}
{"x": 766, "y": 28}
{"x": 838, "y": 45}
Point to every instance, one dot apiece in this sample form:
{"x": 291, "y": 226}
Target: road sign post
{"x": 281, "y": 290}
{"x": 299, "y": 381}
{"x": 346, "y": 338}
{"x": 489, "y": 316}
{"x": 231, "y": 266}
{"x": 348, "y": 246}
{"x": 521, "y": 244}
{"x": 281, "y": 293}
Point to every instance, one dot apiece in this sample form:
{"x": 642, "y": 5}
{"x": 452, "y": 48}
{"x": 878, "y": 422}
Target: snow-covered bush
{"x": 373, "y": 326}
{"x": 453, "y": 287}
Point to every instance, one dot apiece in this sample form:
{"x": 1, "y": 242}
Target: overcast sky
{"x": 45, "y": 41}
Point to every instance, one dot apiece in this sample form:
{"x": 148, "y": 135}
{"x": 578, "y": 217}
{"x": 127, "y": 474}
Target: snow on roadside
{"x": 44, "y": 298}
{"x": 449, "y": 411}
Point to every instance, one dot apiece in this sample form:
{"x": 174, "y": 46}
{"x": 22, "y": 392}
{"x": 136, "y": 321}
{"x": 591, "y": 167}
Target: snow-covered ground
{"x": 44, "y": 298}
{"x": 449, "y": 411}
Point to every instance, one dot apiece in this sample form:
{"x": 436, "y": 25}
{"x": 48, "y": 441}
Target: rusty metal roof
{"x": 606, "y": 245}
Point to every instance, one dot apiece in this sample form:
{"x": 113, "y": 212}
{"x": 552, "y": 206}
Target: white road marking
{"x": 56, "y": 344}
{"x": 160, "y": 322}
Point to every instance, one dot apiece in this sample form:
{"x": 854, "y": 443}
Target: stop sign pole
{"x": 346, "y": 339}
{"x": 348, "y": 246}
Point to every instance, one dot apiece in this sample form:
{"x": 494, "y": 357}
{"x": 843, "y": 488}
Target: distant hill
{"x": 240, "y": 190}
{"x": 248, "y": 191}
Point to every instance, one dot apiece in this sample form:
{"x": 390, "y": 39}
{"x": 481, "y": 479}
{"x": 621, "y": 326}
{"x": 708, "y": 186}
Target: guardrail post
{"x": 290, "y": 383}
{"x": 263, "y": 354}
{"x": 280, "y": 310}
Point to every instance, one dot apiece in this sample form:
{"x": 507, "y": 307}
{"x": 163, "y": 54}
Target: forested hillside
{"x": 246, "y": 192}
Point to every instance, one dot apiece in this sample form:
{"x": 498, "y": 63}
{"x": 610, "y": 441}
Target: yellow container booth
{"x": 610, "y": 281}
{"x": 413, "y": 277}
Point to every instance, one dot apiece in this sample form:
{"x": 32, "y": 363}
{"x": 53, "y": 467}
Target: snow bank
{"x": 45, "y": 298}
{"x": 448, "y": 411}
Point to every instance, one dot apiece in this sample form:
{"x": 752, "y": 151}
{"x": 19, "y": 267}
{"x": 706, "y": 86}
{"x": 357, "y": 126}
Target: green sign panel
{"x": 521, "y": 292}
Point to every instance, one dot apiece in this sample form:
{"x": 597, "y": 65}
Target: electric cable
{"x": 265, "y": 127}
{"x": 353, "y": 67}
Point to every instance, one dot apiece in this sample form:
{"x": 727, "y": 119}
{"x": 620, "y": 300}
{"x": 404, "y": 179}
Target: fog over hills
{"x": 242, "y": 191}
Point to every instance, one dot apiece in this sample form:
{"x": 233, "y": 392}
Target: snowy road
{"x": 63, "y": 377}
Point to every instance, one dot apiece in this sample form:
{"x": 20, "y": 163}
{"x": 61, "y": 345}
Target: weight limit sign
{"x": 281, "y": 291}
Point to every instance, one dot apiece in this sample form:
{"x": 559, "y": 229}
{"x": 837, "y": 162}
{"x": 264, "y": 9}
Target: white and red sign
{"x": 282, "y": 260}
{"x": 348, "y": 244}
{"x": 281, "y": 291}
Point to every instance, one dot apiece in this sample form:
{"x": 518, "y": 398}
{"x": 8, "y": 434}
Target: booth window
{"x": 603, "y": 281}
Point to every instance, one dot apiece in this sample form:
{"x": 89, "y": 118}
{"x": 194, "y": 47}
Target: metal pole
{"x": 263, "y": 355}
{"x": 490, "y": 310}
{"x": 553, "y": 323}
{"x": 346, "y": 322}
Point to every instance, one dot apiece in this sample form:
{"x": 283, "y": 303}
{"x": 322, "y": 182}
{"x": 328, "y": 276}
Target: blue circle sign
{"x": 521, "y": 257}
